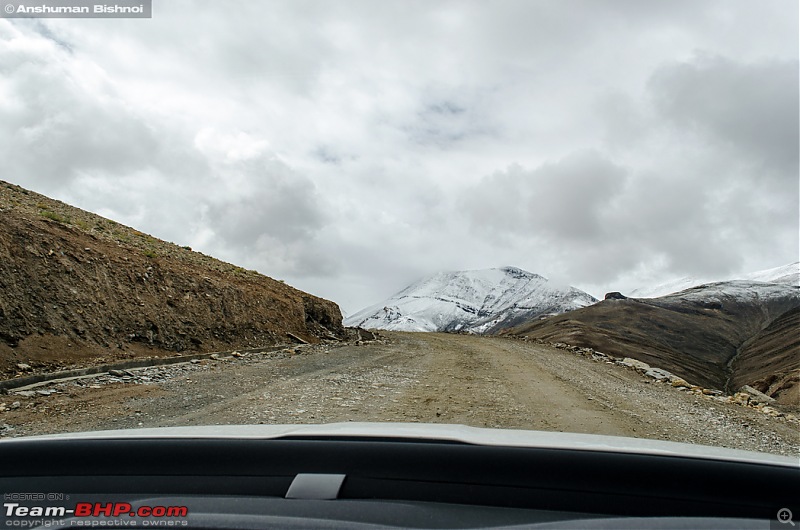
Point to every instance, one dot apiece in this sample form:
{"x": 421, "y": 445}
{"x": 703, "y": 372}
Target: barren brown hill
{"x": 770, "y": 360}
{"x": 78, "y": 288}
{"x": 721, "y": 335}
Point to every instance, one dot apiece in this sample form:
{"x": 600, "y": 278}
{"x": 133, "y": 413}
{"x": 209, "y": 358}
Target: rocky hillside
{"x": 478, "y": 301}
{"x": 770, "y": 360}
{"x": 76, "y": 287}
{"x": 722, "y": 335}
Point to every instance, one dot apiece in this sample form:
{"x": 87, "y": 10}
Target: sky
{"x": 353, "y": 147}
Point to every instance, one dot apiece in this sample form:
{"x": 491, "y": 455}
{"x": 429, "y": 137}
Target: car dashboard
{"x": 385, "y": 476}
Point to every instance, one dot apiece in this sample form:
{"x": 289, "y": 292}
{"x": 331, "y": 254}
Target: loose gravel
{"x": 403, "y": 377}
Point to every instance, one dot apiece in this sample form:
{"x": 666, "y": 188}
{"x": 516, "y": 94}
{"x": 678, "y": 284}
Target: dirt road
{"x": 437, "y": 378}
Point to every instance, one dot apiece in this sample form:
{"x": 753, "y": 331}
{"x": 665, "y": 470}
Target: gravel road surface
{"x": 407, "y": 377}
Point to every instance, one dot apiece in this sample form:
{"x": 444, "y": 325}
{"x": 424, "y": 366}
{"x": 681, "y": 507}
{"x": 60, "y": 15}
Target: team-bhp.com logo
{"x": 96, "y": 509}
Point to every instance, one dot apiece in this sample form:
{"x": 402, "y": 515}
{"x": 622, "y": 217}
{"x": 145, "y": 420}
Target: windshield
{"x": 576, "y": 217}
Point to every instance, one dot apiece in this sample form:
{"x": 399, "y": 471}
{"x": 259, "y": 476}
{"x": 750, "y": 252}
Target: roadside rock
{"x": 757, "y": 396}
{"x": 740, "y": 398}
{"x": 635, "y": 364}
{"x": 681, "y": 383}
{"x": 659, "y": 375}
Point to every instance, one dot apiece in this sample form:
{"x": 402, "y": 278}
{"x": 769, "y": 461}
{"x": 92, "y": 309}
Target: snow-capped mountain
{"x": 786, "y": 275}
{"x": 478, "y": 301}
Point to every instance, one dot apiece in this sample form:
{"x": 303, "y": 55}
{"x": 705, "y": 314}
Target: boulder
{"x": 680, "y": 383}
{"x": 616, "y": 295}
{"x": 757, "y": 396}
{"x": 634, "y": 363}
{"x": 741, "y": 398}
{"x": 659, "y": 375}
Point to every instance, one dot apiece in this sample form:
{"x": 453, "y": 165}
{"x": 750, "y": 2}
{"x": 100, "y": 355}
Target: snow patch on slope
{"x": 785, "y": 275}
{"x": 738, "y": 290}
{"x": 672, "y": 286}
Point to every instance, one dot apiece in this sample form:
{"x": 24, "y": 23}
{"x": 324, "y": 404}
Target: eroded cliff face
{"x": 76, "y": 287}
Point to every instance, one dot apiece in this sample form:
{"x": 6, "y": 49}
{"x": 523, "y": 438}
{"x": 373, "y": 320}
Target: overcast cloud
{"x": 351, "y": 147}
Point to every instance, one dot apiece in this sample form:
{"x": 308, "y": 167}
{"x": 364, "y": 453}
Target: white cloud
{"x": 351, "y": 146}
{"x": 746, "y": 109}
